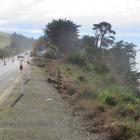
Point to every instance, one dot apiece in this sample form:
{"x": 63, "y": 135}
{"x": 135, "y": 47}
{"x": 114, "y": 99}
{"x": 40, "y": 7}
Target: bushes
{"x": 101, "y": 68}
{"x": 81, "y": 78}
{"x": 77, "y": 58}
{"x": 116, "y": 95}
{"x": 82, "y": 59}
{"x": 87, "y": 93}
{"x": 121, "y": 132}
{"x": 124, "y": 110}
{"x": 123, "y": 98}
{"x": 108, "y": 98}
{"x": 111, "y": 79}
{"x": 71, "y": 90}
{"x": 111, "y": 100}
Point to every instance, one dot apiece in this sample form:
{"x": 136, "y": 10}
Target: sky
{"x": 29, "y": 17}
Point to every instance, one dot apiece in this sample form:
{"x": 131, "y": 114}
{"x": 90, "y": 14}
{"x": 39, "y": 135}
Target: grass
{"x": 92, "y": 89}
{"x": 114, "y": 95}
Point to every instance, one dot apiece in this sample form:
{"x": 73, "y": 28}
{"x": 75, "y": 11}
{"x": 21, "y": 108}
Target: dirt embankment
{"x": 94, "y": 117}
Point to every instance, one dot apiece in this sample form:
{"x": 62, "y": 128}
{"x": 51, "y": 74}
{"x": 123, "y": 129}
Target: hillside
{"x": 16, "y": 43}
{"x": 4, "y": 39}
{"x": 19, "y": 41}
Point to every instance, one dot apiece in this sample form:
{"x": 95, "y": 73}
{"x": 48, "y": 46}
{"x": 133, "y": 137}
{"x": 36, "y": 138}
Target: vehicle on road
{"x": 20, "y": 56}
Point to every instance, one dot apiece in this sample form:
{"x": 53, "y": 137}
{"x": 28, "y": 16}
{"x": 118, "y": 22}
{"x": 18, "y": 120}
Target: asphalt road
{"x": 8, "y": 73}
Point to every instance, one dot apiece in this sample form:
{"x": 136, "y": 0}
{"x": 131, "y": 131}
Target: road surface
{"x": 8, "y": 73}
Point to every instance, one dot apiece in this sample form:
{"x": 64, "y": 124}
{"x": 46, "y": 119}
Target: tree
{"x": 62, "y": 33}
{"x": 88, "y": 41}
{"x": 104, "y": 34}
{"x": 123, "y": 58}
{"x": 39, "y": 44}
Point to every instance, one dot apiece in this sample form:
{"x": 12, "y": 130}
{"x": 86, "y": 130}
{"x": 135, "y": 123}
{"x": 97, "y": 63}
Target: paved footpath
{"x": 40, "y": 114}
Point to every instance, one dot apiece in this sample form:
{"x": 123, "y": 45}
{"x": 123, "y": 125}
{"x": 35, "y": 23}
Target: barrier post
{"x": 4, "y": 62}
{"x": 21, "y": 77}
{"x": 28, "y": 70}
{"x": 13, "y": 59}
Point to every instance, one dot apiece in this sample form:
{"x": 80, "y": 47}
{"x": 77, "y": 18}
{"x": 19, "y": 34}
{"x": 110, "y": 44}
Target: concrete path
{"x": 39, "y": 114}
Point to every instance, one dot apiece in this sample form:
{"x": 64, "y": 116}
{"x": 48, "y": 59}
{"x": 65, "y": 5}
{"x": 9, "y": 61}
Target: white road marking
{"x": 5, "y": 76}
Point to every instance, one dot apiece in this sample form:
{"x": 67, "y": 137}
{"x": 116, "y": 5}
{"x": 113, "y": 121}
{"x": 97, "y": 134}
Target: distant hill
{"x": 4, "y": 39}
{"x": 12, "y": 44}
{"x": 15, "y": 41}
{"x": 21, "y": 42}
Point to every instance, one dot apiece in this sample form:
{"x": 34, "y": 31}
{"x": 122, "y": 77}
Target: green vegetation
{"x": 99, "y": 76}
{"x": 62, "y": 33}
{"x": 115, "y": 95}
{"x": 93, "y": 92}
{"x": 77, "y": 58}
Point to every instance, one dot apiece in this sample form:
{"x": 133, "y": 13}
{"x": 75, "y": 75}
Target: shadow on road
{"x": 26, "y": 81}
{"x": 15, "y": 102}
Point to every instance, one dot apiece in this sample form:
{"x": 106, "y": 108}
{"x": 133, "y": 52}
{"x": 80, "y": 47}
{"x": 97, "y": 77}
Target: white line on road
{"x": 5, "y": 76}
{"x": 4, "y": 96}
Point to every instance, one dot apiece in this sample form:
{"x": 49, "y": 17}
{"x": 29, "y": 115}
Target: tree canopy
{"x": 88, "y": 41}
{"x": 62, "y": 33}
{"x": 104, "y": 34}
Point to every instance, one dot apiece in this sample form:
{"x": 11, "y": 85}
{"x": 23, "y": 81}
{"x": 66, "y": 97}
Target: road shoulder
{"x": 40, "y": 114}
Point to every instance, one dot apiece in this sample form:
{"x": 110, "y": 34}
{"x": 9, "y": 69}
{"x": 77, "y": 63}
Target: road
{"x": 8, "y": 73}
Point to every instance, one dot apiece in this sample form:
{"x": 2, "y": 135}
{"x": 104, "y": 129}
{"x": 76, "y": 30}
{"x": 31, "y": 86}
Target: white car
{"x": 20, "y": 56}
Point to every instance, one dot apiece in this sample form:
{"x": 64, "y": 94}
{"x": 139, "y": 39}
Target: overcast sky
{"x": 29, "y": 17}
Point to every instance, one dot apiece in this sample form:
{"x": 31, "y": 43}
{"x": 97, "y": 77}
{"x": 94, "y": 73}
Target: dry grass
{"x": 80, "y": 90}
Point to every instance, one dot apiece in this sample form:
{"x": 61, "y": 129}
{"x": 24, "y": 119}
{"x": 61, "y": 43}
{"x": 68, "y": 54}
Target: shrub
{"x": 125, "y": 110}
{"x": 111, "y": 79}
{"x": 90, "y": 67}
{"x": 121, "y": 132}
{"x": 77, "y": 58}
{"x": 71, "y": 90}
{"x": 88, "y": 93}
{"x": 81, "y": 78}
{"x": 118, "y": 94}
{"x": 101, "y": 68}
{"x": 129, "y": 98}
{"x": 111, "y": 100}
